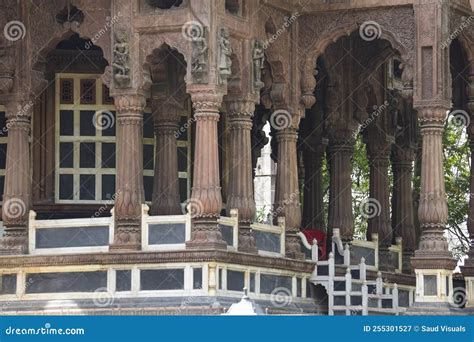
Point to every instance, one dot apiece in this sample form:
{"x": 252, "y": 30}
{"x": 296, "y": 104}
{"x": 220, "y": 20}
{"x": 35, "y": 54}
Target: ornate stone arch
{"x": 396, "y": 26}
{"x": 151, "y": 43}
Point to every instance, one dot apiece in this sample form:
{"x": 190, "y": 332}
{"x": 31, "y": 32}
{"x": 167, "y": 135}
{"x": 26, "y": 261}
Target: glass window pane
{"x": 172, "y": 279}
{"x": 148, "y": 130}
{"x": 108, "y": 155}
{"x": 182, "y": 159}
{"x": 66, "y": 122}
{"x": 87, "y": 121}
{"x": 184, "y": 126}
{"x": 2, "y": 187}
{"x": 123, "y": 280}
{"x": 88, "y": 91}
{"x": 3, "y": 155}
{"x": 183, "y": 190}
{"x": 8, "y": 284}
{"x": 106, "y": 98}
{"x": 87, "y": 155}
{"x": 3, "y": 125}
{"x": 108, "y": 187}
{"x": 66, "y": 187}
{"x": 66, "y": 91}
{"x": 87, "y": 189}
{"x": 148, "y": 185}
{"x": 430, "y": 285}
{"x": 235, "y": 280}
{"x": 252, "y": 282}
{"x": 66, "y": 155}
{"x": 109, "y": 121}
{"x": 197, "y": 278}
{"x": 148, "y": 151}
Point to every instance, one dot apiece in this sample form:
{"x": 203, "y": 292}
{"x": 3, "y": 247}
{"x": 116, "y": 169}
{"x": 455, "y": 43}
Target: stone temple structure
{"x": 131, "y": 129}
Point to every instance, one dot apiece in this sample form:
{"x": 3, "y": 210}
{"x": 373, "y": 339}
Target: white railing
{"x": 231, "y": 222}
{"x": 398, "y": 249}
{"x": 177, "y": 242}
{"x": 73, "y": 228}
{"x": 313, "y": 246}
{"x": 158, "y": 233}
{"x": 267, "y": 231}
{"x": 372, "y": 245}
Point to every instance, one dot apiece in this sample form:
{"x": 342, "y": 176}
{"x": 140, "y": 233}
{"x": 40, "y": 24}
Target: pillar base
{"x": 469, "y": 298}
{"x": 14, "y": 242}
{"x": 206, "y": 235}
{"x": 293, "y": 247}
{"x": 127, "y": 237}
{"x": 434, "y": 286}
{"x": 246, "y": 239}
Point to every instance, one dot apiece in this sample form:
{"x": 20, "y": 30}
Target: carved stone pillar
{"x": 379, "y": 160}
{"x": 402, "y": 201}
{"x": 313, "y": 208}
{"x": 287, "y": 194}
{"x": 468, "y": 269}
{"x": 341, "y": 151}
{"x": 433, "y": 262}
{"x": 240, "y": 193}
{"x": 206, "y": 202}
{"x": 17, "y": 193}
{"x": 129, "y": 181}
{"x": 166, "y": 180}
{"x": 433, "y": 252}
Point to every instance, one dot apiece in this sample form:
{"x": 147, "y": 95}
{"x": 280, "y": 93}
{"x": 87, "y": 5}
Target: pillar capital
{"x": 130, "y": 103}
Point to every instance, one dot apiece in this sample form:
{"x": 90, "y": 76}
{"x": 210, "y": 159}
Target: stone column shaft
{"x": 433, "y": 208}
{"x": 313, "y": 208}
{"x": 287, "y": 194}
{"x": 468, "y": 269}
{"x": 206, "y": 202}
{"x": 17, "y": 192}
{"x": 129, "y": 181}
{"x": 402, "y": 202}
{"x": 341, "y": 152}
{"x": 166, "y": 199}
{"x": 240, "y": 194}
{"x": 380, "y": 222}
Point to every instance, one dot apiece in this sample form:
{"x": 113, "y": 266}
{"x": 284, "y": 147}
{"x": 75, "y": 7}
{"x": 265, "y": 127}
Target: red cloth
{"x": 321, "y": 237}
